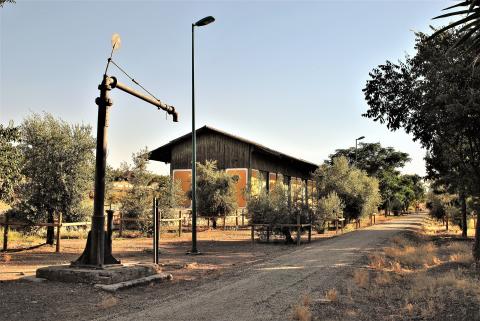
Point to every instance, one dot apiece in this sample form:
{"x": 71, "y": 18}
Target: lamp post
{"x": 200, "y": 23}
{"x": 356, "y": 147}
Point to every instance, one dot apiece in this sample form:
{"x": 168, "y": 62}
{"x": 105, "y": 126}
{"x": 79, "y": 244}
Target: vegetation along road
{"x": 268, "y": 290}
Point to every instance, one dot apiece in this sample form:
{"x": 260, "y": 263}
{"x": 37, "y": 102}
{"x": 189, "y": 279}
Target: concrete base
{"x": 108, "y": 275}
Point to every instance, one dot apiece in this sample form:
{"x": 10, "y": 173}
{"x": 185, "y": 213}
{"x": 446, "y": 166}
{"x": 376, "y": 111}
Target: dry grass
{"x": 331, "y": 295}
{"x": 108, "y": 302}
{"x": 383, "y": 278}
{"x": 5, "y": 258}
{"x": 409, "y": 254}
{"x": 361, "y": 278}
{"x": 301, "y": 311}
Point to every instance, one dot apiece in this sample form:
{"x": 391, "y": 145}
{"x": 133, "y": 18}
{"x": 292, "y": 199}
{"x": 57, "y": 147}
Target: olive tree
{"x": 215, "y": 191}
{"x": 58, "y": 169}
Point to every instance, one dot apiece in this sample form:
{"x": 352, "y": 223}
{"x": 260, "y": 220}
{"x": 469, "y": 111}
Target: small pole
{"x": 179, "y": 223}
{"x": 5, "y": 233}
{"x": 155, "y": 231}
{"x": 310, "y": 233}
{"x": 236, "y": 219}
{"x": 120, "y": 228}
{"x": 336, "y": 226}
{"x": 268, "y": 233}
{"x": 298, "y": 229}
{"x": 253, "y": 235}
{"x": 59, "y": 227}
{"x": 224, "y": 221}
{"x": 243, "y": 218}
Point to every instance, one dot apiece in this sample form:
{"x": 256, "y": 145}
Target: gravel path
{"x": 268, "y": 290}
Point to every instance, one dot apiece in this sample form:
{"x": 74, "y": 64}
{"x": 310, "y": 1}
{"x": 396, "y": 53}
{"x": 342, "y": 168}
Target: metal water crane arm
{"x": 168, "y": 108}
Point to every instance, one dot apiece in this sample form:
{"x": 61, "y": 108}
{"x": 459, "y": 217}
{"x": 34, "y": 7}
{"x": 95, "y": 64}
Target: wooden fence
{"x": 57, "y": 224}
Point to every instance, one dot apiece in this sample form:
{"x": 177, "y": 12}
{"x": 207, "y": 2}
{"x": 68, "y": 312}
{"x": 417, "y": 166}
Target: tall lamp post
{"x": 356, "y": 147}
{"x": 200, "y": 23}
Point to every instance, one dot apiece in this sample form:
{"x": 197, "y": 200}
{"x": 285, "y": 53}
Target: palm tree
{"x": 469, "y": 22}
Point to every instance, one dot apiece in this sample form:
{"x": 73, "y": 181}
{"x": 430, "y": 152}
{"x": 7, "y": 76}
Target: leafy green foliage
{"x": 435, "y": 97}
{"x": 2, "y": 2}
{"x": 329, "y": 207}
{"x": 373, "y": 158}
{"x": 215, "y": 190}
{"x": 10, "y": 162}
{"x": 58, "y": 168}
{"x": 383, "y": 163}
{"x": 137, "y": 202}
{"x": 358, "y": 192}
{"x": 468, "y": 24}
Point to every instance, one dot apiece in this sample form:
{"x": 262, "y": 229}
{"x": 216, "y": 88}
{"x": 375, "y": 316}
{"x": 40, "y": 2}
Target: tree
{"x": 58, "y": 169}
{"x": 10, "y": 162}
{"x": 380, "y": 162}
{"x": 373, "y": 158}
{"x": 359, "y": 192}
{"x": 137, "y": 201}
{"x": 215, "y": 191}
{"x": 468, "y": 24}
{"x": 435, "y": 97}
{"x": 2, "y": 2}
{"x": 273, "y": 207}
{"x": 329, "y": 207}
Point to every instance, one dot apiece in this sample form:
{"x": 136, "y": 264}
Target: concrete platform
{"x": 108, "y": 275}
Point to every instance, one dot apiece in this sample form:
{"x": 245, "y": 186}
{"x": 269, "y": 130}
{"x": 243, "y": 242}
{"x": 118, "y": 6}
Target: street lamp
{"x": 200, "y": 23}
{"x": 356, "y": 141}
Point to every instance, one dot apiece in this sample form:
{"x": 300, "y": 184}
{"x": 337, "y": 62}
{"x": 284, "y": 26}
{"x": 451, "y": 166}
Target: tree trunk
{"x": 464, "y": 213}
{"x": 476, "y": 246}
{"x": 50, "y": 230}
{"x": 288, "y": 235}
{"x": 214, "y": 222}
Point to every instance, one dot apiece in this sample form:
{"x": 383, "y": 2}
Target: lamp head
{"x": 361, "y": 137}
{"x": 205, "y": 21}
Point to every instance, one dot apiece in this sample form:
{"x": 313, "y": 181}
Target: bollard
{"x": 155, "y": 230}
{"x": 59, "y": 227}
{"x": 5, "y": 233}
{"x": 298, "y": 229}
{"x": 179, "y": 223}
{"x": 120, "y": 227}
{"x": 253, "y": 235}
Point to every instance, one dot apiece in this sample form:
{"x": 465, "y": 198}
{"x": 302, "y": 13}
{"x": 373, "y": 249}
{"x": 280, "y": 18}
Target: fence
{"x": 184, "y": 219}
{"x": 57, "y": 224}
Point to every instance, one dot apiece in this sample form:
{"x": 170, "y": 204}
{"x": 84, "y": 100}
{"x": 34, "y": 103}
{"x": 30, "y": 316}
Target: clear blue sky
{"x": 285, "y": 74}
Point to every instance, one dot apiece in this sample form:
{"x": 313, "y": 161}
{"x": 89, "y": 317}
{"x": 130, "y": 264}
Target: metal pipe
{"x": 168, "y": 108}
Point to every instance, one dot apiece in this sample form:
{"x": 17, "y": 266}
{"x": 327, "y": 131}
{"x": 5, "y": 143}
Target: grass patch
{"x": 419, "y": 276}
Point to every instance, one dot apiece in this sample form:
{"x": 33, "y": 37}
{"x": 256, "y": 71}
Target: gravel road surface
{"x": 268, "y": 290}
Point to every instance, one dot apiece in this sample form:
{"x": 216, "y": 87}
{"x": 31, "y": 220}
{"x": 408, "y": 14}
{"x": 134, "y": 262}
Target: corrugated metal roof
{"x": 163, "y": 153}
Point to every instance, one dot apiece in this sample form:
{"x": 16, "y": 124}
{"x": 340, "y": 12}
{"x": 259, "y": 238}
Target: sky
{"x": 286, "y": 74}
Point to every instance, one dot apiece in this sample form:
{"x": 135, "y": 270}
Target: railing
{"x": 58, "y": 224}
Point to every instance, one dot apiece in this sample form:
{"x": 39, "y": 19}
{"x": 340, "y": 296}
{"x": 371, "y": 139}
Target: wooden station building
{"x": 257, "y": 166}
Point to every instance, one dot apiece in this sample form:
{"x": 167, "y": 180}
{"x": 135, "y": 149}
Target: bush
{"x": 272, "y": 208}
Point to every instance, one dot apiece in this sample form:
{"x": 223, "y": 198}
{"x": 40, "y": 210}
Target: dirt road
{"x": 267, "y": 291}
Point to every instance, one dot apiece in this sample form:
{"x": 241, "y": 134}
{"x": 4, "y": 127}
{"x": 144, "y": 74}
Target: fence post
{"x": 120, "y": 227}
{"x": 5, "y": 233}
{"x": 59, "y": 228}
{"x": 180, "y": 223}
{"x": 298, "y": 229}
{"x": 236, "y": 219}
{"x": 253, "y": 235}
